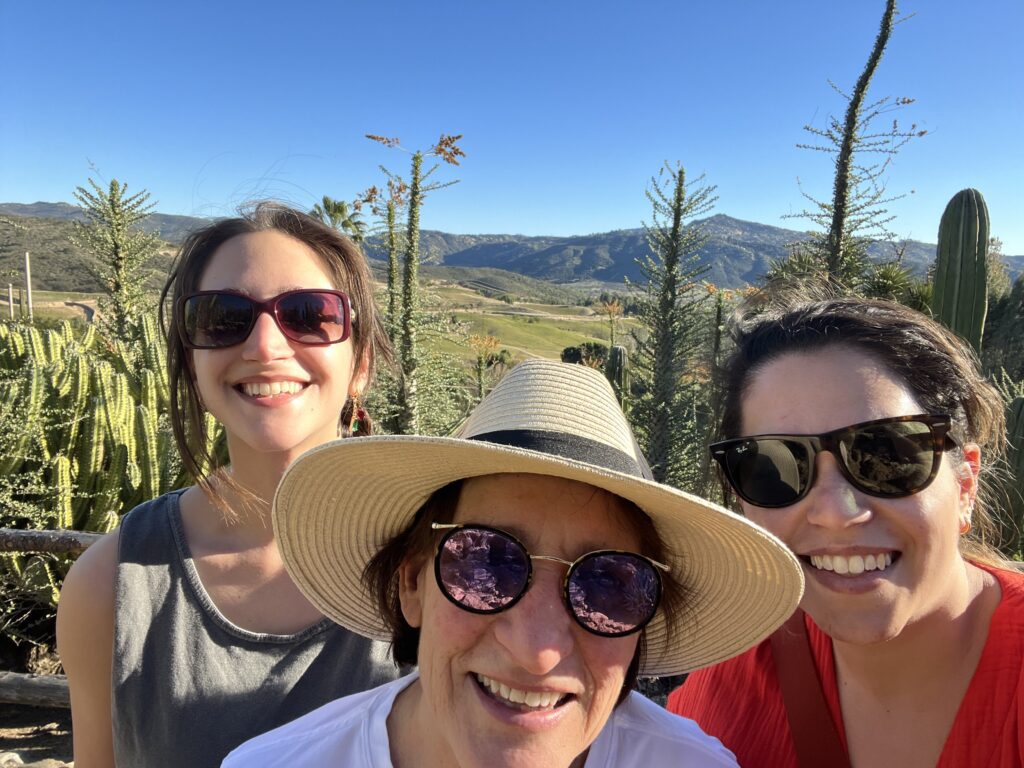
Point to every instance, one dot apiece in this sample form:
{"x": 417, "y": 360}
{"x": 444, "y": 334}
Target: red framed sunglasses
{"x": 218, "y": 319}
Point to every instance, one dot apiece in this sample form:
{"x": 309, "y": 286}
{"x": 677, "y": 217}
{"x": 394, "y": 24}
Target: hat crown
{"x": 541, "y": 395}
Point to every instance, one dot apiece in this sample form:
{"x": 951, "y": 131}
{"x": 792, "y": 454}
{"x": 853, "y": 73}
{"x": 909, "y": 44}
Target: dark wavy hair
{"x": 938, "y": 367}
{"x": 349, "y": 272}
{"x": 418, "y": 541}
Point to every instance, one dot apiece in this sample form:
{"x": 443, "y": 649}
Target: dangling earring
{"x": 361, "y": 425}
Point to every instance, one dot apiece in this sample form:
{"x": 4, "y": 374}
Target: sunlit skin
{"x": 263, "y": 265}
{"x": 447, "y": 718}
{"x": 906, "y": 640}
{"x": 817, "y": 392}
{"x": 237, "y": 558}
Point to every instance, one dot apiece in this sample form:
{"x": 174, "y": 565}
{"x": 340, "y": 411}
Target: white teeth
{"x": 854, "y": 564}
{"x": 530, "y": 699}
{"x": 269, "y": 389}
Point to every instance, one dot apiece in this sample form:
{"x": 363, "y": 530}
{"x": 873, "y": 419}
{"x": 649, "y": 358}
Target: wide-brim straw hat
{"x": 339, "y": 503}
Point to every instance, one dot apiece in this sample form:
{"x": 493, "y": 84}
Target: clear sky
{"x": 567, "y": 107}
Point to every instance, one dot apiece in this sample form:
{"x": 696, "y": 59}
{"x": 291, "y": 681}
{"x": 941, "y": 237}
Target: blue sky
{"x": 567, "y": 108}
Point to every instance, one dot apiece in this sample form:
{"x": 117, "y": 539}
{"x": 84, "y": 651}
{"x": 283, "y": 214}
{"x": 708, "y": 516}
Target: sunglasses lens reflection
{"x": 774, "y": 471}
{"x": 614, "y": 593}
{"x": 485, "y": 571}
{"x": 312, "y": 318}
{"x": 214, "y": 320}
{"x": 482, "y": 570}
{"x": 888, "y": 459}
{"x": 218, "y": 319}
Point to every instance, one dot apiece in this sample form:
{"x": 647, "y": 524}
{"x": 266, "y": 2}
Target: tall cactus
{"x": 1015, "y": 467}
{"x": 961, "y": 270}
{"x": 616, "y": 368}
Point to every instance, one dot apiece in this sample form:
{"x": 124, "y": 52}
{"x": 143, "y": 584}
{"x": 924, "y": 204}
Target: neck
{"x": 252, "y": 479}
{"x": 920, "y": 653}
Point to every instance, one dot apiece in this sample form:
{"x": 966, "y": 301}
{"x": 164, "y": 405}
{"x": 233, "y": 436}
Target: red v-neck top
{"x": 739, "y": 701}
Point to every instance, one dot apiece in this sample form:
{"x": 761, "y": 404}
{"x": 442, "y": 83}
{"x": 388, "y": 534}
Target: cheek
{"x": 777, "y": 521}
{"x": 447, "y": 631}
{"x": 607, "y": 660}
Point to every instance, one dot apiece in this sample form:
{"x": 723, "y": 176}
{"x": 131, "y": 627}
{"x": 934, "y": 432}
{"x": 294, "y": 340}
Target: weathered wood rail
{"x": 57, "y": 542}
{"x": 40, "y": 690}
{"x": 34, "y": 690}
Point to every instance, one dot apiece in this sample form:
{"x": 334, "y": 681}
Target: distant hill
{"x": 167, "y": 226}
{"x": 737, "y": 253}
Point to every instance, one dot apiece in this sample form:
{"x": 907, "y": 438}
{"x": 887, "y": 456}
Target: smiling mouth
{"x": 523, "y": 701}
{"x": 854, "y": 565}
{"x": 269, "y": 388}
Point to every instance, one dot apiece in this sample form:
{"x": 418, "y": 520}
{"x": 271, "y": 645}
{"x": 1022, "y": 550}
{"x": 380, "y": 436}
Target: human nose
{"x": 537, "y": 631}
{"x": 832, "y": 501}
{"x": 266, "y": 341}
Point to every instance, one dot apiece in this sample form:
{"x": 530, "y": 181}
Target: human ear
{"x": 967, "y": 478}
{"x": 411, "y": 587}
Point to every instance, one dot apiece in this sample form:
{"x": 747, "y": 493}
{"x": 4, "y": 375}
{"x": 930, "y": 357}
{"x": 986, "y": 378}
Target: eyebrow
{"x": 287, "y": 289}
{"x": 584, "y": 548}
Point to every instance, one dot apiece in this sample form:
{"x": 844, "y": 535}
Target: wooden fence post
{"x": 28, "y": 284}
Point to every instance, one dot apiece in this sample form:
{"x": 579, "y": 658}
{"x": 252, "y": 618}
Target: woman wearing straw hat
{"x": 531, "y": 571}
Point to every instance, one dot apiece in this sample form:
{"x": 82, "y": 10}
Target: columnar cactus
{"x": 961, "y": 272}
{"x": 617, "y": 370}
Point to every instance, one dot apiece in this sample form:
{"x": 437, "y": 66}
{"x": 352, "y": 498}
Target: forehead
{"x": 820, "y": 390}
{"x": 264, "y": 264}
{"x": 550, "y": 512}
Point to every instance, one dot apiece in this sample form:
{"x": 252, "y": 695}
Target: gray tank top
{"x": 188, "y": 685}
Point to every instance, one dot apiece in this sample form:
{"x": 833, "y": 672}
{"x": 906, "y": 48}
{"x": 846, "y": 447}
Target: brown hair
{"x": 349, "y": 272}
{"x": 418, "y": 541}
{"x": 937, "y": 366}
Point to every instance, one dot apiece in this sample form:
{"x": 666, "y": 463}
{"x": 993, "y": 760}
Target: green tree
{"x": 409, "y": 317}
{"x": 122, "y": 250}
{"x": 341, "y": 216}
{"x": 666, "y": 411}
{"x": 856, "y": 213}
{"x": 999, "y": 282}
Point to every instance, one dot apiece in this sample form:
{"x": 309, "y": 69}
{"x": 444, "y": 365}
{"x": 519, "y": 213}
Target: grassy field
{"x": 526, "y": 329}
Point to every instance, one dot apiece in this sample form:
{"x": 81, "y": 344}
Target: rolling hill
{"x": 737, "y": 252}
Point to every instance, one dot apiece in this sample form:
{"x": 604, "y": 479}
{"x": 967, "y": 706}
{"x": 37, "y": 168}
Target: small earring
{"x": 965, "y": 519}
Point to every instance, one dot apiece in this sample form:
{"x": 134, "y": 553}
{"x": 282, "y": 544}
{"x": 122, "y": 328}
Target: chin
{"x": 858, "y": 627}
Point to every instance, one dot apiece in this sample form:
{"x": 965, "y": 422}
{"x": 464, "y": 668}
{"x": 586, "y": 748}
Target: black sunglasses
{"x": 217, "y": 319}
{"x": 889, "y": 458}
{"x": 486, "y": 570}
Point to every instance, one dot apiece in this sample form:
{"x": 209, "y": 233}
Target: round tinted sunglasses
{"x": 888, "y": 458}
{"x": 486, "y": 570}
{"x": 217, "y": 319}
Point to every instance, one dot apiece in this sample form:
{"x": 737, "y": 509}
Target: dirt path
{"x": 36, "y": 734}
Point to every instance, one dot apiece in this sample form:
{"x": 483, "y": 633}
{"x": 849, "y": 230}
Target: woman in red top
{"x": 856, "y": 432}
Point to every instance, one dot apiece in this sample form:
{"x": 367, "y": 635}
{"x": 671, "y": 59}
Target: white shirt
{"x": 352, "y": 731}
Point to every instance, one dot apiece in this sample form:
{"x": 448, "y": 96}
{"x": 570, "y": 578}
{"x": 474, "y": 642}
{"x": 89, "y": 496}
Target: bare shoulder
{"x": 90, "y": 582}
{"x": 85, "y": 643}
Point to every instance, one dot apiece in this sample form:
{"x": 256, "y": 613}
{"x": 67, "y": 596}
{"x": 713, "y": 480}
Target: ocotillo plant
{"x": 960, "y": 299}
{"x": 616, "y": 368}
{"x": 408, "y": 355}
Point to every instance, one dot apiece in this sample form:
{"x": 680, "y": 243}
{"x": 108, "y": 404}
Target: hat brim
{"x": 342, "y": 501}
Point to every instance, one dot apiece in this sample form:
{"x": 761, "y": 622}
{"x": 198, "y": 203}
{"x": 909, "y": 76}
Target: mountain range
{"x": 737, "y": 252}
